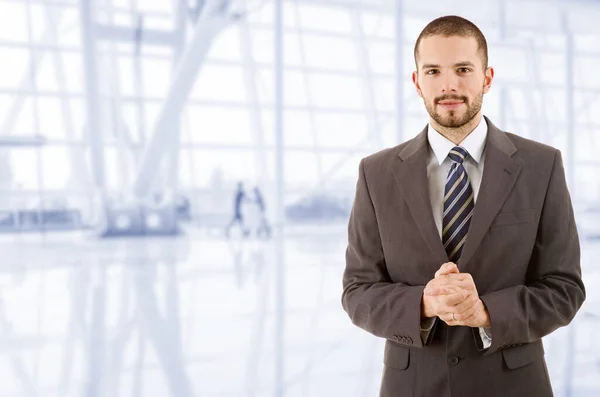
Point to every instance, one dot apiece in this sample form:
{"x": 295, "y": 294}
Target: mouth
{"x": 450, "y": 105}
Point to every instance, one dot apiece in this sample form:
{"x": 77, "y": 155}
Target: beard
{"x": 454, "y": 118}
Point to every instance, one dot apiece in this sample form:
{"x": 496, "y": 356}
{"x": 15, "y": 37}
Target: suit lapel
{"x": 500, "y": 173}
{"x": 410, "y": 171}
{"x": 499, "y": 176}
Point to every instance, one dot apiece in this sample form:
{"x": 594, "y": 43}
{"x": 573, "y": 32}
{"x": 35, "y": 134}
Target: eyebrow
{"x": 431, "y": 65}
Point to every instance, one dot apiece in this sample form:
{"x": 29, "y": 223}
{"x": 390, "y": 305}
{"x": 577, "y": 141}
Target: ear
{"x": 415, "y": 80}
{"x": 487, "y": 82}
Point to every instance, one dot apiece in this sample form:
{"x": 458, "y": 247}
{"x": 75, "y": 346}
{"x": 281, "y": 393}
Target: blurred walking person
{"x": 263, "y": 223}
{"x": 238, "y": 217}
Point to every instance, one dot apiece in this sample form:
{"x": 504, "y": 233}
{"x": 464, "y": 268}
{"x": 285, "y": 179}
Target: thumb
{"x": 447, "y": 268}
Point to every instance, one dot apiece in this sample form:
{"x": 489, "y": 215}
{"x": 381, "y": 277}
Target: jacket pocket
{"x": 395, "y": 356}
{"x": 514, "y": 217}
{"x": 520, "y": 355}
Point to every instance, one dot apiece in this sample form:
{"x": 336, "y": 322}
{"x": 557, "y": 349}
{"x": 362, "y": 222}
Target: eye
{"x": 464, "y": 70}
{"x": 431, "y": 71}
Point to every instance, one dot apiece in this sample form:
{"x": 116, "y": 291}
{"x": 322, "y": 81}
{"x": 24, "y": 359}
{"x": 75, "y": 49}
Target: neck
{"x": 458, "y": 134}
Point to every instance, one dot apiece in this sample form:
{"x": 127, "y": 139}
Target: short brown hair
{"x": 453, "y": 25}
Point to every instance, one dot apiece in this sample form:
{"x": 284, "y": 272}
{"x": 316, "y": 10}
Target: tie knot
{"x": 458, "y": 154}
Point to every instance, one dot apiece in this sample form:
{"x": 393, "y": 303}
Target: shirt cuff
{"x": 486, "y": 336}
{"x": 427, "y": 324}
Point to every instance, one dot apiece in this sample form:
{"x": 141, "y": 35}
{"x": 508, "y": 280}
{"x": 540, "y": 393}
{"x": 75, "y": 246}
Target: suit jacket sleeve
{"x": 428, "y": 326}
{"x": 373, "y": 302}
{"x": 554, "y": 291}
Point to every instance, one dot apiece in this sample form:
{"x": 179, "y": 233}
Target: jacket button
{"x": 409, "y": 340}
{"x": 453, "y": 360}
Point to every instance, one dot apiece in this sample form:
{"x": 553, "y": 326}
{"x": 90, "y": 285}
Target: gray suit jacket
{"x": 522, "y": 251}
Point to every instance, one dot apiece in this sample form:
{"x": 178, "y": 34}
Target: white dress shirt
{"x": 438, "y": 166}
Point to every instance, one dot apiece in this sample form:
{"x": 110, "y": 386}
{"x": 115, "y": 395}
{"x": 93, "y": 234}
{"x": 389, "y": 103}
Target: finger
{"x": 470, "y": 298}
{"x": 451, "y": 300}
{"x": 438, "y": 290}
{"x": 471, "y": 320}
{"x": 441, "y": 282}
{"x": 447, "y": 318}
{"x": 441, "y": 270}
{"x": 446, "y": 281}
{"x": 447, "y": 268}
{"x": 439, "y": 287}
{"x": 465, "y": 304}
{"x": 454, "y": 277}
{"x": 465, "y": 315}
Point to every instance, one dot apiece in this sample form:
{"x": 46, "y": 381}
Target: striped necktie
{"x": 459, "y": 203}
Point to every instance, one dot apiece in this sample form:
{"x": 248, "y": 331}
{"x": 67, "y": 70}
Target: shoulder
{"x": 383, "y": 159}
{"x": 530, "y": 145}
{"x": 535, "y": 153}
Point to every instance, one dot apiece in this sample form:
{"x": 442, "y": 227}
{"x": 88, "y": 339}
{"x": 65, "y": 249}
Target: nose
{"x": 449, "y": 83}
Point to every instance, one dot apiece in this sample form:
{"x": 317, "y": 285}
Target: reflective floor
{"x": 203, "y": 316}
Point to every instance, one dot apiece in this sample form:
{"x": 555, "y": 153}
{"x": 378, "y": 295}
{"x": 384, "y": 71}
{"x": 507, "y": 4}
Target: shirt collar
{"x": 474, "y": 143}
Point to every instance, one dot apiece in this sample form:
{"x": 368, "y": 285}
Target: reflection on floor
{"x": 201, "y": 316}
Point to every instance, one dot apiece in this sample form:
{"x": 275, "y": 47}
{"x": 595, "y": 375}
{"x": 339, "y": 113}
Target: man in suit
{"x": 462, "y": 269}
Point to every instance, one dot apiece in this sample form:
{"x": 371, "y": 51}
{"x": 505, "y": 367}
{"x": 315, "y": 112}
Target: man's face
{"x": 451, "y": 79}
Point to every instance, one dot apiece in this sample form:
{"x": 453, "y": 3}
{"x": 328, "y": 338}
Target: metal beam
{"x": 279, "y": 223}
{"x": 172, "y": 178}
{"x": 24, "y": 141}
{"x": 26, "y": 80}
{"x": 484, "y": 18}
{"x": 570, "y": 175}
{"x": 92, "y": 100}
{"x": 251, "y": 79}
{"x": 279, "y": 113}
{"x": 118, "y": 124}
{"x": 368, "y": 83}
{"x": 570, "y": 101}
{"x": 122, "y": 33}
{"x": 309, "y": 92}
{"x": 257, "y": 26}
{"x": 210, "y": 23}
{"x": 399, "y": 67}
{"x": 80, "y": 175}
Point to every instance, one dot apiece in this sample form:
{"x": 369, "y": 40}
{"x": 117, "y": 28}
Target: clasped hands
{"x": 452, "y": 296}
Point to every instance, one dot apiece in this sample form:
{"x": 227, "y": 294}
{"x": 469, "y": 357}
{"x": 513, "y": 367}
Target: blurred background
{"x": 176, "y": 178}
